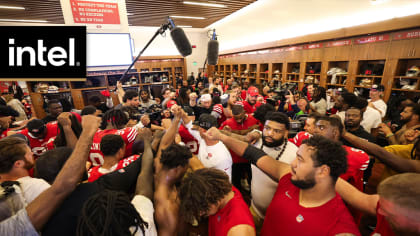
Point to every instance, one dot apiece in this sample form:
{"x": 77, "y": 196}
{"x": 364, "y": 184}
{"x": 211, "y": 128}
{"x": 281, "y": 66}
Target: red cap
{"x": 253, "y": 91}
{"x": 170, "y": 103}
{"x": 105, "y": 93}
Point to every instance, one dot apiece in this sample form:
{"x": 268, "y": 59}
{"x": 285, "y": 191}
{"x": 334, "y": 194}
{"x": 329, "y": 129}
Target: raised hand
{"x": 214, "y": 134}
{"x": 90, "y": 123}
{"x": 64, "y": 119}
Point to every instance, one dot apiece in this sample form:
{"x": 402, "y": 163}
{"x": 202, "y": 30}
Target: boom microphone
{"x": 213, "y": 50}
{"x": 180, "y": 39}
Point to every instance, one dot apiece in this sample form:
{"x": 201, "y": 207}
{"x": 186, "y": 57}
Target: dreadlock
{"x": 109, "y": 213}
{"x": 116, "y": 117}
{"x": 60, "y": 140}
{"x": 200, "y": 189}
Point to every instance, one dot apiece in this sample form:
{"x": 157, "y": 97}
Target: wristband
{"x": 253, "y": 154}
{"x": 389, "y": 135}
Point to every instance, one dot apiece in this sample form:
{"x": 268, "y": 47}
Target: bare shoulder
{"x": 241, "y": 230}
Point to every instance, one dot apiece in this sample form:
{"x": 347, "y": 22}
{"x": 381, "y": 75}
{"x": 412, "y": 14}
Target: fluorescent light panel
{"x": 189, "y": 17}
{"x": 33, "y": 21}
{"x": 204, "y": 4}
{"x": 11, "y": 7}
{"x": 185, "y": 26}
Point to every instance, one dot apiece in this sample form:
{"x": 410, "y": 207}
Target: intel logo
{"x": 56, "y": 52}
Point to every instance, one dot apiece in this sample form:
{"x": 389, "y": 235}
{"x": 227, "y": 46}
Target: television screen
{"x": 109, "y": 50}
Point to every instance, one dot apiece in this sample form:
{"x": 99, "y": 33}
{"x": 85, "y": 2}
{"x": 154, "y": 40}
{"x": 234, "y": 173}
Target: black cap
{"x": 8, "y": 111}
{"x": 36, "y": 126}
{"x": 378, "y": 87}
{"x": 188, "y": 110}
{"x": 206, "y": 121}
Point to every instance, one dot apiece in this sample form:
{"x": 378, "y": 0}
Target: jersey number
{"x": 97, "y": 159}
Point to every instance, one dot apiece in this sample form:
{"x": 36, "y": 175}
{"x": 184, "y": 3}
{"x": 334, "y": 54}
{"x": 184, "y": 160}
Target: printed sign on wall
{"x": 87, "y": 12}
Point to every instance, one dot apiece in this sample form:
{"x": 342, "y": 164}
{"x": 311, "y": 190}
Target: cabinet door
{"x": 313, "y": 54}
{"x": 342, "y": 53}
{"x": 409, "y": 48}
{"x": 360, "y": 52}
{"x": 378, "y": 51}
{"x": 38, "y": 104}
{"x": 77, "y": 99}
{"x": 330, "y": 53}
{"x": 416, "y": 48}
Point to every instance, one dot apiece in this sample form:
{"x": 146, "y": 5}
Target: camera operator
{"x": 297, "y": 108}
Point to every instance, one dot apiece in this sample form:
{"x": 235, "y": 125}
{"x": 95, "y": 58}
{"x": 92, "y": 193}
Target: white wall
{"x": 271, "y": 20}
{"x": 164, "y": 46}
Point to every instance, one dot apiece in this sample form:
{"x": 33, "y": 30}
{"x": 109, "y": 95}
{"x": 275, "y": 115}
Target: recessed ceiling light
{"x": 189, "y": 17}
{"x": 185, "y": 26}
{"x": 11, "y": 7}
{"x": 204, "y": 4}
{"x": 33, "y": 21}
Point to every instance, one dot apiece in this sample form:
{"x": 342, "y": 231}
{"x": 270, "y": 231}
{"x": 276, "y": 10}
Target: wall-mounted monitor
{"x": 109, "y": 49}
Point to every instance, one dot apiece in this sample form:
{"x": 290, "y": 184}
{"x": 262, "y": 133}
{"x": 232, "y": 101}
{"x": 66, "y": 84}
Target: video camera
{"x": 282, "y": 91}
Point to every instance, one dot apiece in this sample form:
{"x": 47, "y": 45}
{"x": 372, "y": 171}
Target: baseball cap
{"x": 188, "y": 110}
{"x": 377, "y": 87}
{"x": 253, "y": 91}
{"x": 36, "y": 126}
{"x": 206, "y": 121}
{"x": 170, "y": 103}
{"x": 205, "y": 97}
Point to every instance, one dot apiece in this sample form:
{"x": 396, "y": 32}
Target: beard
{"x": 274, "y": 143}
{"x": 405, "y": 120}
{"x": 306, "y": 183}
{"x": 350, "y": 125}
{"x": 28, "y": 165}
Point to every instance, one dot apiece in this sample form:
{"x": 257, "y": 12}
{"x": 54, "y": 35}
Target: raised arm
{"x": 359, "y": 200}
{"x": 40, "y": 210}
{"x": 169, "y": 136}
{"x": 395, "y": 162}
{"x": 275, "y": 169}
{"x": 250, "y": 137}
{"x": 64, "y": 120}
{"x": 145, "y": 180}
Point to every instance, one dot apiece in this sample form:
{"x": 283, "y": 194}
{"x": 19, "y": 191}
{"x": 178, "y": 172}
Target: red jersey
{"x": 248, "y": 122}
{"x": 243, "y": 94}
{"x": 188, "y": 139}
{"x": 128, "y": 135}
{"x": 218, "y": 108}
{"x": 299, "y": 137}
{"x": 39, "y": 146}
{"x": 234, "y": 213}
{"x": 250, "y": 108}
{"x": 96, "y": 172}
{"x": 382, "y": 226}
{"x": 357, "y": 162}
{"x": 50, "y": 143}
{"x": 285, "y": 216}
{"x": 4, "y": 133}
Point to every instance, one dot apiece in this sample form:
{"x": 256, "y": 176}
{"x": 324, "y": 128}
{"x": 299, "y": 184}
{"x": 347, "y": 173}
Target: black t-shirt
{"x": 361, "y": 133}
{"x": 64, "y": 221}
{"x": 49, "y": 118}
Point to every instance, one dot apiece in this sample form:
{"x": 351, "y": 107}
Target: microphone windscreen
{"x": 181, "y": 41}
{"x": 212, "y": 52}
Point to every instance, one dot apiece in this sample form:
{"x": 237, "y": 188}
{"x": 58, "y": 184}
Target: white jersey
{"x": 215, "y": 156}
{"x": 262, "y": 186}
{"x": 381, "y": 106}
{"x": 371, "y": 119}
